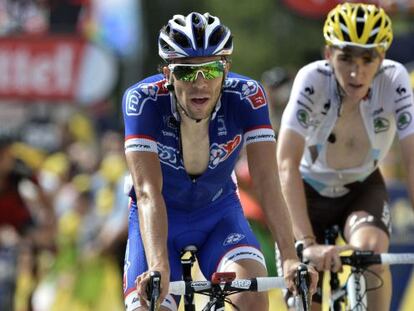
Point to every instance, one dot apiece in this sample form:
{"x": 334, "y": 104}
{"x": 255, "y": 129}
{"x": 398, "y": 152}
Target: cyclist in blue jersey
{"x": 184, "y": 129}
{"x": 338, "y": 126}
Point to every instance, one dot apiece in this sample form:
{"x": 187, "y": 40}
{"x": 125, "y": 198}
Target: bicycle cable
{"x": 381, "y": 281}
{"x": 213, "y": 302}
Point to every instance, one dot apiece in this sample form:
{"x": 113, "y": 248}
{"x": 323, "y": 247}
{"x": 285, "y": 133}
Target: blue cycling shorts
{"x": 220, "y": 232}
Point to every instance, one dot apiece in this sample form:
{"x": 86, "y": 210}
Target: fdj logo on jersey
{"x": 220, "y": 152}
{"x": 137, "y": 97}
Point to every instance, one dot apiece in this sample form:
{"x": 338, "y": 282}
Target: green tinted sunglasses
{"x": 189, "y": 72}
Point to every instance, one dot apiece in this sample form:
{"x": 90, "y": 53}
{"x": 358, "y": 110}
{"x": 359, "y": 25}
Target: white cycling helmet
{"x": 194, "y": 35}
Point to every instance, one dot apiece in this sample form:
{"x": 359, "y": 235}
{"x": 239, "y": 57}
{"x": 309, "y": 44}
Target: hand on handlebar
{"x": 325, "y": 257}
{"x": 143, "y": 283}
{"x": 290, "y": 268}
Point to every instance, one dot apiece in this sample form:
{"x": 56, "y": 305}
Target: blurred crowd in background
{"x": 61, "y": 141}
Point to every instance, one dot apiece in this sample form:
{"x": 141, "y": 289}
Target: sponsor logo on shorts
{"x": 355, "y": 221}
{"x": 233, "y": 238}
{"x": 386, "y": 216}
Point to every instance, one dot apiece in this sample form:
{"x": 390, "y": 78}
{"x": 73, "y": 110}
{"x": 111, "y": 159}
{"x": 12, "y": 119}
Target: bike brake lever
{"x": 302, "y": 284}
{"x": 154, "y": 288}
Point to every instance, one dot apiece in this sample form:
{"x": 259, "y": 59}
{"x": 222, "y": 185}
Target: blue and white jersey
{"x": 152, "y": 124}
{"x": 312, "y": 112}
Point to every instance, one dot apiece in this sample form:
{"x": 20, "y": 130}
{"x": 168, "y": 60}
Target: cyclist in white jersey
{"x": 338, "y": 126}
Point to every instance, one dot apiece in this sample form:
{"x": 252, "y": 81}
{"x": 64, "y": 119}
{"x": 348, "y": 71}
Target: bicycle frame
{"x": 356, "y": 288}
{"x": 187, "y": 264}
{"x": 353, "y": 293}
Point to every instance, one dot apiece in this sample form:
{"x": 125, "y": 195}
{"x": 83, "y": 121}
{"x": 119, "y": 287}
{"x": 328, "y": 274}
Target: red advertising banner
{"x": 312, "y": 8}
{"x": 319, "y": 8}
{"x": 54, "y": 68}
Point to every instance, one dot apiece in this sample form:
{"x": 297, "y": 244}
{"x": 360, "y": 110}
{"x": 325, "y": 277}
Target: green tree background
{"x": 266, "y": 32}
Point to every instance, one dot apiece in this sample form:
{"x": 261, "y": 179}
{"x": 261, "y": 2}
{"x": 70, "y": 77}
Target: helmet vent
{"x": 359, "y": 28}
{"x": 180, "y": 22}
{"x": 374, "y": 36}
{"x": 229, "y": 43}
{"x": 165, "y": 46}
{"x": 346, "y": 37}
{"x": 180, "y": 39}
{"x": 215, "y": 36}
{"x": 377, "y": 24}
{"x": 196, "y": 20}
{"x": 342, "y": 21}
{"x": 210, "y": 20}
{"x": 344, "y": 29}
{"x": 360, "y": 21}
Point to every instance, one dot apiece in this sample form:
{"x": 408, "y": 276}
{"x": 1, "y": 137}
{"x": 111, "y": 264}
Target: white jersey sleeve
{"x": 401, "y": 94}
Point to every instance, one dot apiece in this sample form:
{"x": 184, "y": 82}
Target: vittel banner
{"x": 54, "y": 68}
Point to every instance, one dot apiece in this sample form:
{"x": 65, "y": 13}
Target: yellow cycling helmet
{"x": 358, "y": 24}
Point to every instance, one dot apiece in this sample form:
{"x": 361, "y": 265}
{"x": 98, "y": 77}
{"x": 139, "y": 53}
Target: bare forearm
{"x": 147, "y": 177}
{"x": 294, "y": 194}
{"x": 154, "y": 230}
{"x": 278, "y": 218}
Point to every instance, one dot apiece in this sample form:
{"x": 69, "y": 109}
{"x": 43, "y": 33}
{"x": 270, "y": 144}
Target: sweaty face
{"x": 354, "y": 68}
{"x": 197, "y": 88}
